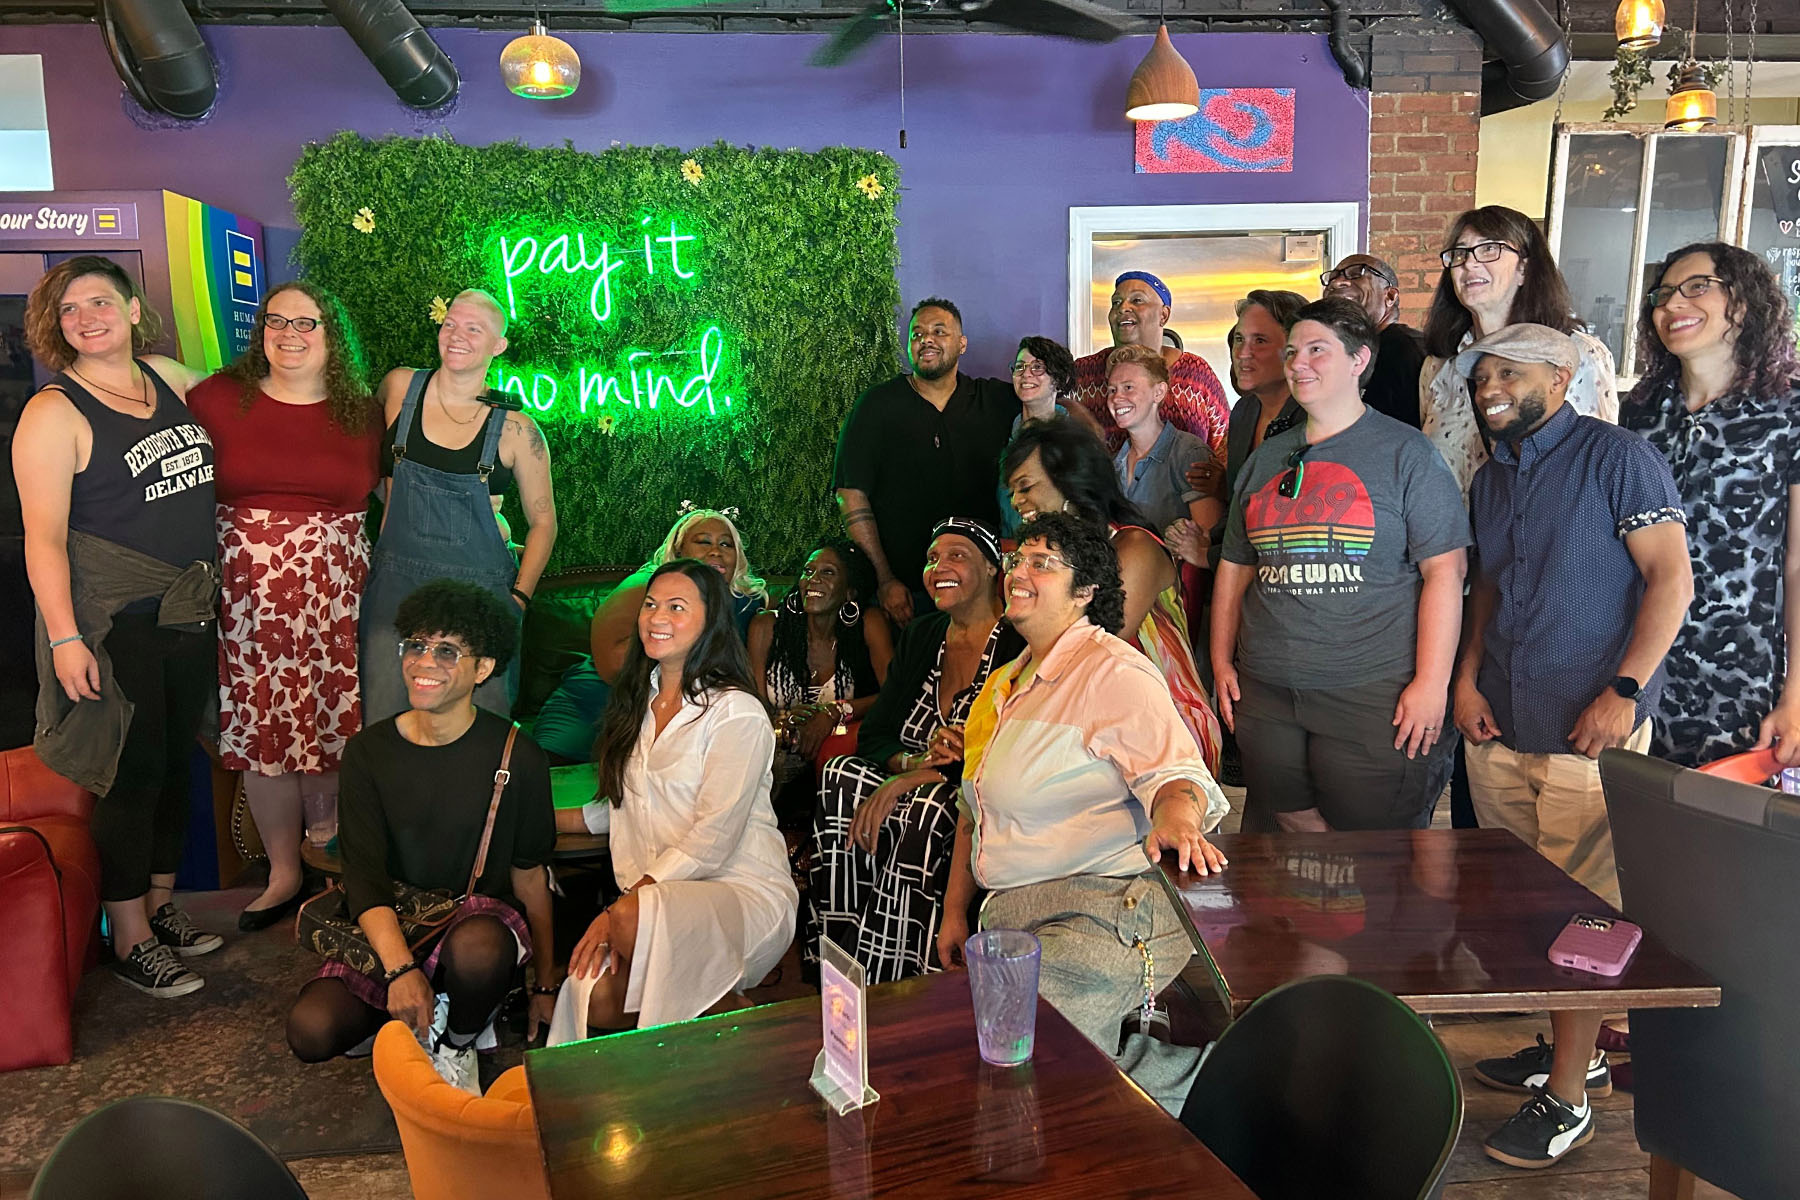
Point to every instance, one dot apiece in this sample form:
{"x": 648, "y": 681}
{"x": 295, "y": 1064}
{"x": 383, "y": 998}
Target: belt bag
{"x": 324, "y": 924}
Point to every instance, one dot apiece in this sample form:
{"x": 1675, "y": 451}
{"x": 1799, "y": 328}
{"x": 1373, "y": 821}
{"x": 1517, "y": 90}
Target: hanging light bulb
{"x": 1692, "y": 104}
{"x": 538, "y": 66}
{"x": 1163, "y": 87}
{"x": 1638, "y": 23}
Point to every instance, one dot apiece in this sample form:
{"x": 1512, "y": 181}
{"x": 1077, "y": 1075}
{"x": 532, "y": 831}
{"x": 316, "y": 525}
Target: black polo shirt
{"x": 918, "y": 465}
{"x": 1393, "y": 386}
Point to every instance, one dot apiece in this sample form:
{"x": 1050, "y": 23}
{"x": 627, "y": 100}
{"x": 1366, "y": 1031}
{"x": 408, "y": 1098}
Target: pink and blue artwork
{"x": 1236, "y": 129}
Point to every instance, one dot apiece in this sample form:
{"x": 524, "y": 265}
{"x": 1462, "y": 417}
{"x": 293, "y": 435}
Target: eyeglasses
{"x": 1353, "y": 271}
{"x": 444, "y": 654}
{"x": 1481, "y": 252}
{"x": 1295, "y": 475}
{"x": 1693, "y": 287}
{"x": 300, "y": 324}
{"x": 1035, "y": 369}
{"x": 1038, "y": 562}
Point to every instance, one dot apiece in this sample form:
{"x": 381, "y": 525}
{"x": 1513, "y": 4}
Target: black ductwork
{"x": 413, "y": 64}
{"x": 157, "y": 51}
{"x": 1528, "y": 53}
{"x": 1352, "y": 64}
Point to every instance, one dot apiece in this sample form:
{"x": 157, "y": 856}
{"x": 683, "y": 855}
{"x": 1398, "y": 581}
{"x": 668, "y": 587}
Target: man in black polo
{"x": 917, "y": 449}
{"x": 1392, "y": 386}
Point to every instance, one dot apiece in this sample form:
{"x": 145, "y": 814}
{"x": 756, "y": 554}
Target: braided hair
{"x": 788, "y": 675}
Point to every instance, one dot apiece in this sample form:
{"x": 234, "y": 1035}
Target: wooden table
{"x": 721, "y": 1107}
{"x": 1448, "y": 920}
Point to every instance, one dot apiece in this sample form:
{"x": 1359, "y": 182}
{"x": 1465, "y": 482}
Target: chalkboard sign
{"x": 1773, "y": 226}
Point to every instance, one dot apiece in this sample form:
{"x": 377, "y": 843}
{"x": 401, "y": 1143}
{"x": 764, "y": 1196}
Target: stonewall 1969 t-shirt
{"x": 1334, "y": 601}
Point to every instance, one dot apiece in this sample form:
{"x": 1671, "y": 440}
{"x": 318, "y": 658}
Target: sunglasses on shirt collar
{"x": 1295, "y": 476}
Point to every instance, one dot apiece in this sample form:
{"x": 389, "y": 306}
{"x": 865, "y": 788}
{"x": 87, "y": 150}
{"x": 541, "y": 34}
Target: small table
{"x": 721, "y": 1107}
{"x": 1448, "y": 920}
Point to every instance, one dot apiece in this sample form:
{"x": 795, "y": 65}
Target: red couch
{"x": 49, "y": 909}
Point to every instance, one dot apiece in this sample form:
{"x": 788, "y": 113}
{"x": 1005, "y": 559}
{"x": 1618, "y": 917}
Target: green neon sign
{"x": 643, "y": 380}
{"x": 589, "y": 258}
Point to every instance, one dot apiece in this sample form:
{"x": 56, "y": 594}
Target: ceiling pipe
{"x": 1528, "y": 53}
{"x": 1352, "y": 64}
{"x": 414, "y": 65}
{"x": 156, "y": 49}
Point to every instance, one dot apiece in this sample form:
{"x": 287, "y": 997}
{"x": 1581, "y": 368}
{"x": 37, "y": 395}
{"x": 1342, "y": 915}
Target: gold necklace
{"x": 144, "y": 400}
{"x": 457, "y": 420}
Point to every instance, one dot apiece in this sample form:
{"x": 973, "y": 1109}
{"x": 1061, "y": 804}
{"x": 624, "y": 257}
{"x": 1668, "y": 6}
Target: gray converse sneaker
{"x": 153, "y": 969}
{"x": 176, "y": 930}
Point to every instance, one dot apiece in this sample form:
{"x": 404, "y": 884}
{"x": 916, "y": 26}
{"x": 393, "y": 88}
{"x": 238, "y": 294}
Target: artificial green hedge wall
{"x": 790, "y": 265}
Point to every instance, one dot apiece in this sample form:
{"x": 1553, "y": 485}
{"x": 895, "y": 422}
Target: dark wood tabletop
{"x": 721, "y": 1107}
{"x": 1448, "y": 920}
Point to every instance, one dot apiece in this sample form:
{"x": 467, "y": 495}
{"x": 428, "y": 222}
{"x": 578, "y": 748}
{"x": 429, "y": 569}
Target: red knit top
{"x": 286, "y": 457}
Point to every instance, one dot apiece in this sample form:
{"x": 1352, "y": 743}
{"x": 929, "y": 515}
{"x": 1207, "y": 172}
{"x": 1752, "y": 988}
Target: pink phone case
{"x": 1600, "y": 945}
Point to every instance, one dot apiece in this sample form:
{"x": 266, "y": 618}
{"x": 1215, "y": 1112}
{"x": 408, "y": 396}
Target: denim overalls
{"x": 439, "y": 525}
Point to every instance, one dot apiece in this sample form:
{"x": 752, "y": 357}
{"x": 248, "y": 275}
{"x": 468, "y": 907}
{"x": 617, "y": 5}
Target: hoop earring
{"x": 793, "y": 603}
{"x": 850, "y": 613}
{"x": 1069, "y": 507}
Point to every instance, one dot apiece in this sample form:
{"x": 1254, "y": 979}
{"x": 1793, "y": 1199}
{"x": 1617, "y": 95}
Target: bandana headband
{"x": 1156, "y": 285}
{"x": 975, "y": 531}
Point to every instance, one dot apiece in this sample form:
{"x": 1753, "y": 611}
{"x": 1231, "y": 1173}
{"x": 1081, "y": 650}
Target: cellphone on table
{"x": 1600, "y": 945}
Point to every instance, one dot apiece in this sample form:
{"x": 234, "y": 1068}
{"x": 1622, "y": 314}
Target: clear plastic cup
{"x": 1003, "y": 975}
{"x": 320, "y": 811}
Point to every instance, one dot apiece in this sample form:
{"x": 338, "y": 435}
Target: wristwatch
{"x": 1626, "y": 688}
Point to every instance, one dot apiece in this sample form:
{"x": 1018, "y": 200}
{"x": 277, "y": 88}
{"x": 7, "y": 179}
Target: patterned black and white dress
{"x": 884, "y": 908}
{"x": 1733, "y": 461}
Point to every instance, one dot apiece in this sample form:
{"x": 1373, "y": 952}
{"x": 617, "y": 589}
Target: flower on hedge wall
{"x": 871, "y": 186}
{"x": 690, "y": 171}
{"x": 364, "y": 220}
{"x": 606, "y": 425}
{"x": 440, "y": 308}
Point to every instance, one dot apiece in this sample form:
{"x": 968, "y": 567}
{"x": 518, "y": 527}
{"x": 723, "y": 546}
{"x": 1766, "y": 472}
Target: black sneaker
{"x": 1529, "y": 1070}
{"x": 1542, "y": 1131}
{"x": 153, "y": 969}
{"x": 176, "y": 930}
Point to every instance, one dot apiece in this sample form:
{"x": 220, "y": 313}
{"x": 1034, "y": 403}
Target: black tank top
{"x": 427, "y": 453}
{"x": 149, "y": 481}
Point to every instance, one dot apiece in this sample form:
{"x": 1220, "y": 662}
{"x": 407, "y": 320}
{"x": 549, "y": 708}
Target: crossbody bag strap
{"x": 487, "y": 831}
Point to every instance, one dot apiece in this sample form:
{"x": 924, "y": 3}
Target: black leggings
{"x": 475, "y": 970}
{"x": 170, "y": 676}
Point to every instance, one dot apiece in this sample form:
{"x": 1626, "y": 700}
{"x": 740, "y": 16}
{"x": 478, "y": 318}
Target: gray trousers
{"x": 1093, "y": 975}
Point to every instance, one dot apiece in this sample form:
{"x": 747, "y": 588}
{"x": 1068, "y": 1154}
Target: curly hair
{"x": 347, "y": 395}
{"x": 1133, "y": 355}
{"x": 1059, "y": 364}
{"x": 716, "y": 662}
{"x": 744, "y": 580}
{"x": 43, "y": 316}
{"x": 787, "y": 645}
{"x": 1543, "y": 297}
{"x": 1764, "y": 354}
{"x": 1078, "y": 466}
{"x": 452, "y": 608}
{"x": 1089, "y": 553}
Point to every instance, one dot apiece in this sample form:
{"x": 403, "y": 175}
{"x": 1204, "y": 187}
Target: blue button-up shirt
{"x": 1550, "y": 522}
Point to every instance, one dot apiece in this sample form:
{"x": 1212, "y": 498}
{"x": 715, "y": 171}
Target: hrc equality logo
{"x": 1331, "y": 517}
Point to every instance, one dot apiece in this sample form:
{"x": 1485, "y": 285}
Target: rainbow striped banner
{"x": 216, "y": 278}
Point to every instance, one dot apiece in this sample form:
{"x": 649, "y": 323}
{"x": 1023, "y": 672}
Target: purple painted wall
{"x": 1005, "y": 133}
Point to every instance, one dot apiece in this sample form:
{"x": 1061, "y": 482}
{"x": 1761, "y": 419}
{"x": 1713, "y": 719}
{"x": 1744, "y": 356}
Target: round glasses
{"x": 1038, "y": 562}
{"x": 1693, "y": 287}
{"x": 1481, "y": 252}
{"x": 300, "y": 324}
{"x": 444, "y": 654}
{"x": 1035, "y": 370}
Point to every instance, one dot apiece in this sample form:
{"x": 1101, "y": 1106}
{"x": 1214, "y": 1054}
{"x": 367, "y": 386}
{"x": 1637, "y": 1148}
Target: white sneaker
{"x": 458, "y": 1068}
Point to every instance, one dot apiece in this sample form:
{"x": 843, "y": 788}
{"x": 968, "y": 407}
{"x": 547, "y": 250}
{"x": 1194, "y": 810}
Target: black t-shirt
{"x": 414, "y": 813}
{"x": 918, "y": 465}
{"x": 1394, "y": 384}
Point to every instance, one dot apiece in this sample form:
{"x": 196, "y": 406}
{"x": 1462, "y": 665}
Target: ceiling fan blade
{"x": 1080, "y": 19}
{"x": 850, "y": 40}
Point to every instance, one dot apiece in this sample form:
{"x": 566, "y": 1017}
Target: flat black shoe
{"x": 253, "y": 919}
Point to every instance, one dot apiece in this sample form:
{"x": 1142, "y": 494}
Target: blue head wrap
{"x": 1156, "y": 285}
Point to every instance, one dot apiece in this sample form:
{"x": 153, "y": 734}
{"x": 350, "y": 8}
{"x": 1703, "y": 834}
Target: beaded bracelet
{"x": 73, "y": 637}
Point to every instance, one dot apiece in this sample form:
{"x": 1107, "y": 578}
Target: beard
{"x": 944, "y": 367}
{"x": 1528, "y": 414}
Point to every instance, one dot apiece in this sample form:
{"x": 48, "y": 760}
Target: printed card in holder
{"x": 841, "y": 1072}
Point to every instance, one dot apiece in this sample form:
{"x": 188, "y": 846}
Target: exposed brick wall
{"x": 1424, "y": 132}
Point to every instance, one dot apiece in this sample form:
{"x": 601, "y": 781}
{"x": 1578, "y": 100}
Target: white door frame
{"x": 1340, "y": 220}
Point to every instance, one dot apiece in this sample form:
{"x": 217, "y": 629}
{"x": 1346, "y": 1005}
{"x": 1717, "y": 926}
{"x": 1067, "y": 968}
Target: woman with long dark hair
{"x": 1043, "y": 378}
{"x": 1718, "y": 397}
{"x": 294, "y": 430}
{"x": 684, "y": 757}
{"x": 1058, "y": 468}
{"x": 1498, "y": 271}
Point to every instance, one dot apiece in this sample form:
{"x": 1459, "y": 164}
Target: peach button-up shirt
{"x": 1059, "y": 775}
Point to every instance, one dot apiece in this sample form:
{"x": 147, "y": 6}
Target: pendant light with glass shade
{"x": 538, "y": 66}
{"x": 1163, "y": 87}
{"x": 1692, "y": 104}
{"x": 1638, "y": 24}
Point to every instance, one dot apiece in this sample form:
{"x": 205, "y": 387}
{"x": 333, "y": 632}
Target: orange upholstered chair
{"x": 458, "y": 1146}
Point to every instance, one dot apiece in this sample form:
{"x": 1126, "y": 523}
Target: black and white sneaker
{"x": 1529, "y": 1070}
{"x": 153, "y": 969}
{"x": 176, "y": 930}
{"x": 1542, "y": 1131}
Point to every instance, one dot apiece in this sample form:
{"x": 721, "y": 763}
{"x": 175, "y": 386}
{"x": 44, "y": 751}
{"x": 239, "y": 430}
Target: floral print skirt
{"x": 292, "y": 583}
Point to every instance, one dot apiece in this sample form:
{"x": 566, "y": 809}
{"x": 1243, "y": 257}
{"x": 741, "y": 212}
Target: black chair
{"x": 1712, "y": 867}
{"x": 1329, "y": 1086}
{"x": 160, "y": 1148}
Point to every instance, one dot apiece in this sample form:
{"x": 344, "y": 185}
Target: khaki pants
{"x": 1554, "y": 803}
